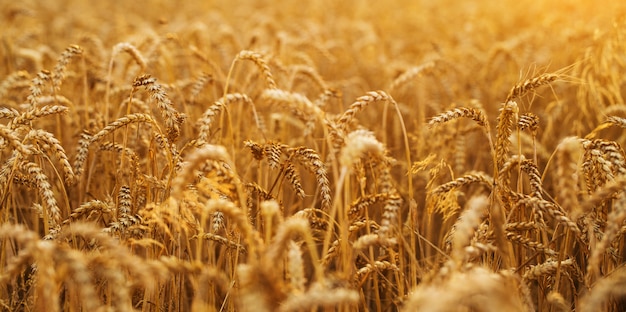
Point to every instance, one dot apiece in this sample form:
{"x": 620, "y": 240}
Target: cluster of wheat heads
{"x": 313, "y": 157}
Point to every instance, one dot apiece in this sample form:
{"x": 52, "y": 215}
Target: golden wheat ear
{"x": 58, "y": 74}
{"x": 611, "y": 121}
{"x": 122, "y": 47}
{"x": 528, "y": 85}
{"x": 173, "y": 118}
{"x": 206, "y": 121}
{"x": 259, "y": 61}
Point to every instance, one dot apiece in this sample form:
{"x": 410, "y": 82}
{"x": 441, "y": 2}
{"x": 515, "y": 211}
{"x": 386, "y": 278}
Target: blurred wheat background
{"x": 312, "y": 156}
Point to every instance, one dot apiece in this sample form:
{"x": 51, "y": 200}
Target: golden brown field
{"x": 312, "y": 156}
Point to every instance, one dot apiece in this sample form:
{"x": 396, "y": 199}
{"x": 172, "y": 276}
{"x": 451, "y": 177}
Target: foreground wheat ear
{"x": 318, "y": 156}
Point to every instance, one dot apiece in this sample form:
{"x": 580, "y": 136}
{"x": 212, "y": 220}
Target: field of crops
{"x": 312, "y": 156}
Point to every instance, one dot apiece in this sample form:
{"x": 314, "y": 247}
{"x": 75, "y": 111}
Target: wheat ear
{"x": 50, "y": 144}
{"x": 468, "y": 222}
{"x": 360, "y": 143}
{"x": 474, "y": 177}
{"x": 567, "y": 171}
{"x": 614, "y": 222}
{"x": 259, "y": 61}
{"x": 530, "y": 84}
{"x": 58, "y": 74}
{"x": 173, "y": 119}
{"x": 319, "y": 296}
{"x": 206, "y": 121}
{"x": 37, "y": 113}
{"x": 196, "y": 159}
{"x": 609, "y": 122}
{"x": 121, "y": 122}
{"x": 508, "y": 118}
{"x": 36, "y": 87}
{"x": 14, "y": 80}
{"x": 358, "y": 105}
{"x": 313, "y": 163}
{"x": 117, "y": 49}
{"x": 607, "y": 287}
{"x": 409, "y": 75}
{"x": 14, "y": 142}
{"x": 45, "y": 191}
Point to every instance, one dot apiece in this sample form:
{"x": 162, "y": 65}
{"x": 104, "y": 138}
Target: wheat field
{"x": 312, "y": 156}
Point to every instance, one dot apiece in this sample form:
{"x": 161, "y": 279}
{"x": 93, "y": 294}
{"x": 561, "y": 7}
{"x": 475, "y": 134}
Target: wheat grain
{"x": 46, "y": 277}
{"x": 530, "y": 244}
{"x": 89, "y": 208}
{"x": 8, "y": 113}
{"x": 360, "y": 204}
{"x": 528, "y": 121}
{"x": 82, "y": 153}
{"x": 76, "y": 263}
{"x": 282, "y": 237}
{"x": 253, "y": 295}
{"x": 201, "y": 82}
{"x": 125, "y": 47}
{"x": 182, "y": 218}
{"x": 370, "y": 240}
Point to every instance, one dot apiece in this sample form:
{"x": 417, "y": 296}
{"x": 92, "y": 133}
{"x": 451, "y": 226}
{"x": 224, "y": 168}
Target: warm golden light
{"x": 312, "y": 155}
